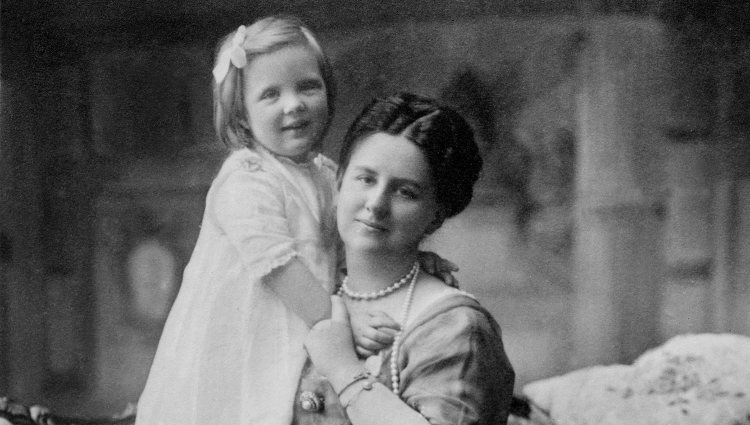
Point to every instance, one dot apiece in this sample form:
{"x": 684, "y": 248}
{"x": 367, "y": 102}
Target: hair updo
{"x": 443, "y": 136}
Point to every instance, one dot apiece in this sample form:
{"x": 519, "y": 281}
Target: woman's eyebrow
{"x": 411, "y": 182}
{"x": 363, "y": 168}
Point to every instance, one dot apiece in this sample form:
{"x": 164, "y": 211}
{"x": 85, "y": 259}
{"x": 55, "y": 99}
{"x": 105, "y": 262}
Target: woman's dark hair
{"x": 443, "y": 136}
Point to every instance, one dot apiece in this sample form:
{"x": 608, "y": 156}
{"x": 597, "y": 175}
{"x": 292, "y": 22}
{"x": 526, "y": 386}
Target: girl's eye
{"x": 269, "y": 94}
{"x": 311, "y": 86}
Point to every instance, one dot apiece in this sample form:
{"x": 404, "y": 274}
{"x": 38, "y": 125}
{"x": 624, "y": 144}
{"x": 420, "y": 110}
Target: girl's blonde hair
{"x": 266, "y": 35}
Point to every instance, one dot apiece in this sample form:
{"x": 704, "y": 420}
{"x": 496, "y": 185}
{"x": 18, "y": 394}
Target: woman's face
{"x": 387, "y": 199}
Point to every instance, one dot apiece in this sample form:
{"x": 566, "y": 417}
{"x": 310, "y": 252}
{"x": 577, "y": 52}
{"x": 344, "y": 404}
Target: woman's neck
{"x": 372, "y": 272}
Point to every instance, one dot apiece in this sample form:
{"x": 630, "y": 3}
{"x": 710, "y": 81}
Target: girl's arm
{"x": 300, "y": 291}
{"x": 249, "y": 208}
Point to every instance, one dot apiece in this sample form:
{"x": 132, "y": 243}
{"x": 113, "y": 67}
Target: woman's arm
{"x": 331, "y": 348}
{"x": 457, "y": 371}
{"x": 379, "y": 406}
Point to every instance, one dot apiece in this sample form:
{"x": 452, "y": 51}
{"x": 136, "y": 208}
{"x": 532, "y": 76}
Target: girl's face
{"x": 386, "y": 201}
{"x": 285, "y": 99}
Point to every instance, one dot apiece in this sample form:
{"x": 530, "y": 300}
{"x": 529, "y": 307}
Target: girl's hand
{"x": 373, "y": 331}
{"x": 330, "y": 344}
{"x": 438, "y": 267}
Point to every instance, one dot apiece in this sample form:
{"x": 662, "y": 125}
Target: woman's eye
{"x": 408, "y": 193}
{"x": 365, "y": 179}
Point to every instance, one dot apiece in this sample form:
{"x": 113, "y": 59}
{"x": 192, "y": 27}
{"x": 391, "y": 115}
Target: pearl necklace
{"x": 395, "y": 379}
{"x": 377, "y": 294}
{"x": 413, "y": 274}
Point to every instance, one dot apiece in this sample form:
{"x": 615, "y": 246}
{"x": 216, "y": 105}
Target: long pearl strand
{"x": 380, "y": 293}
{"x": 413, "y": 274}
{"x": 395, "y": 379}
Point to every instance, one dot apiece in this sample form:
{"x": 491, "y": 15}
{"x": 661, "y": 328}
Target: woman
{"x": 406, "y": 165}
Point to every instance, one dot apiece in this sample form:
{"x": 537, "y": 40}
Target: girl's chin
{"x": 302, "y": 153}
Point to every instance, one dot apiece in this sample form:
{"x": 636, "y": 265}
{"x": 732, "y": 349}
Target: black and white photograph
{"x": 342, "y": 212}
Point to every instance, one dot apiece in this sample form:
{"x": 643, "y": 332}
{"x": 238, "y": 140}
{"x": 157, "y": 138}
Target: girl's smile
{"x": 296, "y": 125}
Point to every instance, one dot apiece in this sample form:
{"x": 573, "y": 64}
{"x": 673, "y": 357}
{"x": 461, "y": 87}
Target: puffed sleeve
{"x": 250, "y": 210}
{"x": 456, "y": 369}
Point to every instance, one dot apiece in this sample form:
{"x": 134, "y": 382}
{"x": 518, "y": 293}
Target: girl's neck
{"x": 372, "y": 272}
{"x": 304, "y": 159}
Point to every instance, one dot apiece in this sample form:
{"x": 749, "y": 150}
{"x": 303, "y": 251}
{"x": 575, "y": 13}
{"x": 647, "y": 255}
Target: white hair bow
{"x": 235, "y": 54}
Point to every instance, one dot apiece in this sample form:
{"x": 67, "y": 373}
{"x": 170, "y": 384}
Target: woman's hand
{"x": 438, "y": 267}
{"x": 373, "y": 331}
{"x": 330, "y": 345}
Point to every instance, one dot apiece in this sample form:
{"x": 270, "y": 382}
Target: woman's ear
{"x": 436, "y": 223}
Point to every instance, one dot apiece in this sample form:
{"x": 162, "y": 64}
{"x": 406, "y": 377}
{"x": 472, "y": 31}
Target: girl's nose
{"x": 293, "y": 104}
{"x": 377, "y": 202}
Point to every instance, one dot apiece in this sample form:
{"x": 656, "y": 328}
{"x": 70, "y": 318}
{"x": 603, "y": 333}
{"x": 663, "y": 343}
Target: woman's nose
{"x": 293, "y": 103}
{"x": 377, "y": 202}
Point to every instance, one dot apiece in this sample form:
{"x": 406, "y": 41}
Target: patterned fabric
{"x": 231, "y": 352}
{"x": 13, "y": 413}
{"x": 701, "y": 379}
{"x": 454, "y": 369}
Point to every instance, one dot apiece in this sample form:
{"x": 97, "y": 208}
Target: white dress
{"x": 231, "y": 352}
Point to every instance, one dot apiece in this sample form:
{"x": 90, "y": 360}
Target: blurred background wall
{"x": 613, "y": 212}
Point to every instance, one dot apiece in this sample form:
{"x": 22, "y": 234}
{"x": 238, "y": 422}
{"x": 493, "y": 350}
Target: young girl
{"x": 259, "y": 277}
